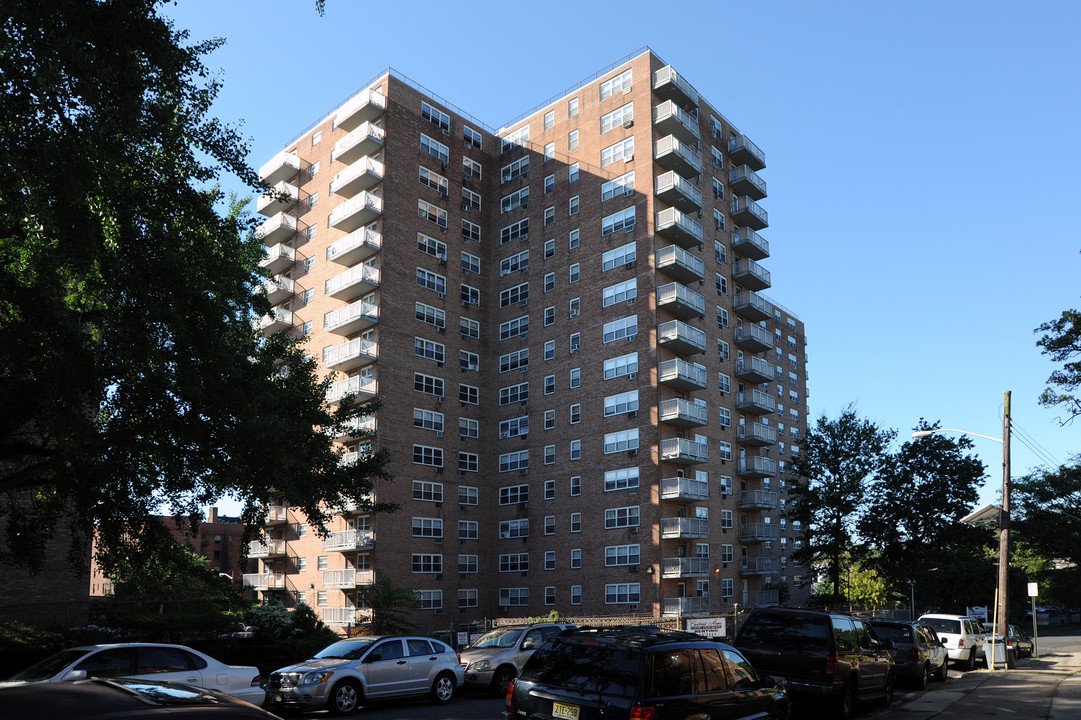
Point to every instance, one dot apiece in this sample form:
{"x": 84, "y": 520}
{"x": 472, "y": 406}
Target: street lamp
{"x": 1001, "y": 612}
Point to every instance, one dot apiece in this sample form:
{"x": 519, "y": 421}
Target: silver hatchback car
{"x": 343, "y": 675}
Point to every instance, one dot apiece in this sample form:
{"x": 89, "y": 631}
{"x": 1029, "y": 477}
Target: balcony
{"x": 745, "y": 181}
{"x": 684, "y": 567}
{"x": 756, "y": 402}
{"x": 759, "y": 566}
{"x": 681, "y": 337}
{"x": 684, "y": 528}
{"x": 756, "y": 466}
{"x": 362, "y": 175}
{"x": 754, "y": 338}
{"x": 351, "y": 355}
{"x": 277, "y": 229}
{"x": 344, "y": 616}
{"x": 348, "y": 540}
{"x": 670, "y": 119}
{"x": 757, "y": 532}
{"x": 354, "y": 282}
{"x": 677, "y": 606}
{"x": 751, "y": 275}
{"x": 356, "y": 247}
{"x": 757, "y": 500}
{"x": 750, "y": 244}
{"x": 279, "y": 258}
{"x": 356, "y": 211}
{"x": 278, "y": 289}
{"x": 347, "y": 579}
{"x": 270, "y": 548}
{"x": 678, "y": 264}
{"x": 671, "y": 154}
{"x": 277, "y": 514}
{"x": 757, "y": 434}
{"x": 681, "y": 301}
{"x": 747, "y": 212}
{"x": 279, "y": 319}
{"x": 683, "y": 413}
{"x": 363, "y": 107}
{"x": 684, "y": 451}
{"x": 675, "y": 190}
{"x": 681, "y": 375}
{"x": 752, "y": 306}
{"x": 353, "y": 430}
{"x": 365, "y": 140}
{"x": 353, "y": 318}
{"x": 676, "y": 227}
{"x": 282, "y": 166}
{"x": 684, "y": 489}
{"x": 264, "y": 581}
{"x": 741, "y": 150}
{"x": 669, "y": 85}
{"x": 281, "y": 197}
{"x": 754, "y": 370}
{"x": 365, "y": 388}
{"x": 762, "y": 598}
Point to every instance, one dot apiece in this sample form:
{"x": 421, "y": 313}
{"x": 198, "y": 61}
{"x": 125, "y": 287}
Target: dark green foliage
{"x": 130, "y": 374}
{"x": 1048, "y": 507}
{"x": 390, "y": 605}
{"x": 1062, "y": 342}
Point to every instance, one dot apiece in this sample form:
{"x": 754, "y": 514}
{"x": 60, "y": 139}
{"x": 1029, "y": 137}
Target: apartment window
{"x": 518, "y": 168}
{"x": 470, "y": 200}
{"x": 467, "y": 598}
{"x": 722, "y": 350}
{"x": 427, "y": 563}
{"x": 549, "y": 282}
{"x": 468, "y": 395}
{"x": 572, "y": 140}
{"x": 519, "y": 262}
{"x": 321, "y": 598}
{"x": 469, "y": 295}
{"x": 313, "y": 200}
{"x": 718, "y": 189}
{"x": 575, "y": 307}
{"x": 573, "y": 238}
{"x": 722, "y": 284}
{"x": 431, "y": 246}
{"x": 549, "y": 489}
{"x": 575, "y": 342}
{"x": 576, "y": 378}
{"x": 726, "y": 450}
{"x": 514, "y": 393}
{"x": 514, "y": 427}
{"x": 468, "y": 495}
{"x": 431, "y": 315}
{"x": 434, "y": 148}
{"x": 549, "y": 384}
{"x": 427, "y": 420}
{"x": 434, "y": 180}
{"x": 625, "y": 291}
{"x": 432, "y": 213}
{"x": 469, "y": 328}
{"x": 572, "y": 173}
{"x": 621, "y": 256}
{"x": 471, "y": 169}
{"x": 428, "y": 349}
{"x": 622, "y": 479}
{"x": 513, "y": 597}
{"x": 550, "y": 345}
{"x": 549, "y": 184}
{"x": 435, "y": 116}
{"x": 622, "y": 151}
{"x": 727, "y": 555}
{"x": 509, "y": 462}
{"x": 514, "y": 231}
{"x": 302, "y": 564}
{"x": 576, "y": 523}
{"x": 719, "y": 252}
{"x": 517, "y": 199}
{"x": 623, "y": 328}
{"x": 722, "y": 317}
{"x": 515, "y": 360}
{"x": 573, "y": 205}
{"x": 620, "y": 220}
{"x": 306, "y": 329}
{"x": 622, "y": 555}
{"x": 549, "y": 454}
{"x": 549, "y": 215}
{"x": 472, "y": 138}
{"x": 550, "y": 560}
{"x": 549, "y": 419}
{"x": 574, "y": 272}
{"x": 549, "y": 151}
{"x": 549, "y": 524}
{"x": 620, "y": 117}
{"x": 470, "y": 263}
{"x": 514, "y": 562}
{"x": 572, "y": 107}
{"x": 427, "y": 527}
{"x": 468, "y": 462}
{"x": 309, "y": 295}
{"x": 622, "y": 83}
{"x": 429, "y": 599}
{"x": 621, "y": 403}
{"x": 517, "y": 294}
{"x": 549, "y": 119}
{"x": 516, "y": 139}
{"x": 470, "y": 231}
{"x": 468, "y": 563}
{"x": 624, "y": 440}
{"x": 317, "y": 137}
{"x": 425, "y": 455}
{"x": 620, "y": 366}
{"x": 428, "y": 385}
{"x": 514, "y": 529}
{"x": 726, "y": 519}
{"x": 725, "y": 416}
{"x": 576, "y": 450}
{"x": 621, "y": 517}
{"x": 618, "y": 187}
{"x": 718, "y": 158}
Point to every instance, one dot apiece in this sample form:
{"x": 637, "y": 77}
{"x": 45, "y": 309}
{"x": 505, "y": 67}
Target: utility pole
{"x": 1002, "y": 617}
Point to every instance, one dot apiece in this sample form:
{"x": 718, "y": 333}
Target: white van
{"x": 962, "y": 635}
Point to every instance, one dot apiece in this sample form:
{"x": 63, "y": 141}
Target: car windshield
{"x": 504, "y": 638}
{"x": 161, "y": 694}
{"x": 50, "y": 666}
{"x": 897, "y": 633}
{"x": 796, "y": 632}
{"x": 944, "y": 625}
{"x": 586, "y": 666}
{"x": 344, "y": 650}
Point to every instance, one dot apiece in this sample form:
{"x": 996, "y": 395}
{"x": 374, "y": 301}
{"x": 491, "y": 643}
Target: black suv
{"x": 821, "y": 656}
{"x": 640, "y": 673}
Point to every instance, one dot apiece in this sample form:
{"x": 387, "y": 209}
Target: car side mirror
{"x": 75, "y": 675}
{"x": 528, "y": 645}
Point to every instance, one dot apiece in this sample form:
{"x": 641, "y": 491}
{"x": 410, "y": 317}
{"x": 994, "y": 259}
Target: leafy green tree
{"x": 911, "y": 524}
{"x": 164, "y": 571}
{"x": 1062, "y": 342}
{"x": 390, "y": 605}
{"x": 1048, "y": 505}
{"x": 130, "y": 372}
{"x": 839, "y": 459}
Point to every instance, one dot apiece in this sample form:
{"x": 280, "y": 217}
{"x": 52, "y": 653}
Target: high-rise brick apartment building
{"x": 588, "y": 400}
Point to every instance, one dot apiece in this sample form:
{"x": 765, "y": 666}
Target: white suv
{"x": 962, "y": 636}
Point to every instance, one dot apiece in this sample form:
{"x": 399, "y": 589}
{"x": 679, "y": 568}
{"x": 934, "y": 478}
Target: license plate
{"x": 567, "y": 712}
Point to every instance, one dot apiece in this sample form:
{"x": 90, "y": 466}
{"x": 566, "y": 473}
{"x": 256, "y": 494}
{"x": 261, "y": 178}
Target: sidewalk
{"x": 1048, "y": 687}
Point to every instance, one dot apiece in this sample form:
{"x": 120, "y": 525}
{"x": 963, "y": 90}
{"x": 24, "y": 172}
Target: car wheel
{"x": 924, "y": 678}
{"x": 344, "y": 697}
{"x": 969, "y": 663}
{"x": 443, "y": 689}
{"x": 847, "y": 701}
{"x": 942, "y": 672}
{"x": 887, "y": 690}
{"x": 501, "y": 681}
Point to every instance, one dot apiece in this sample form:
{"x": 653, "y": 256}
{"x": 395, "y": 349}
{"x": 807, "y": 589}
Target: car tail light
{"x": 831, "y": 664}
{"x": 642, "y": 712}
{"x": 509, "y": 704}
{"x": 914, "y": 655}
{"x": 256, "y": 681}
{"x": 961, "y": 642}
{"x": 459, "y": 657}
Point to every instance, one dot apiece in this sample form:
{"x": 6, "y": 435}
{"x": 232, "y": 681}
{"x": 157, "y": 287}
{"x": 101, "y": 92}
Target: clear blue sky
{"x": 924, "y": 166}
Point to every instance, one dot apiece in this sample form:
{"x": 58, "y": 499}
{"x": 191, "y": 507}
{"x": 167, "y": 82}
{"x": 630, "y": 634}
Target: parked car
{"x": 1020, "y": 642}
{"x": 918, "y": 654}
{"x": 962, "y": 636}
{"x": 822, "y": 657}
{"x": 145, "y": 661}
{"x": 343, "y": 675}
{"x": 123, "y": 699}
{"x": 496, "y": 657}
{"x": 618, "y": 674}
